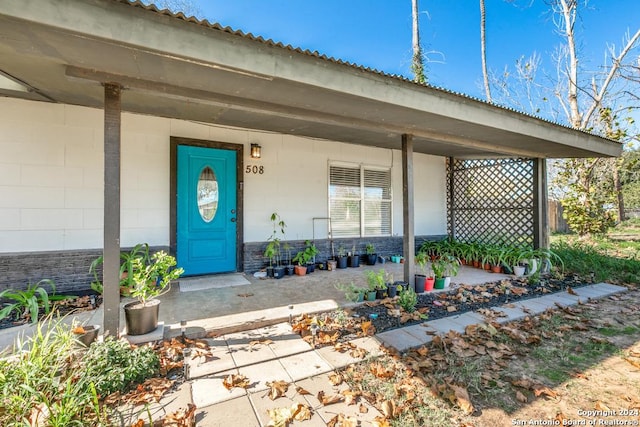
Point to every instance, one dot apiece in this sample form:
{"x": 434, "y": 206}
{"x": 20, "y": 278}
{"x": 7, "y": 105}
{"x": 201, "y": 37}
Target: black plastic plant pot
{"x": 392, "y": 291}
{"x": 141, "y": 318}
{"x": 371, "y": 259}
{"x": 380, "y": 293}
{"x": 311, "y": 267}
{"x": 354, "y": 261}
{"x": 289, "y": 270}
{"x": 342, "y": 262}
{"x": 269, "y": 271}
{"x": 278, "y": 272}
{"x": 420, "y": 283}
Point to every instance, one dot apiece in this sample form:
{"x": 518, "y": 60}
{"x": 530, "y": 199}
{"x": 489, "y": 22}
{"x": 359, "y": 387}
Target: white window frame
{"x": 362, "y": 167}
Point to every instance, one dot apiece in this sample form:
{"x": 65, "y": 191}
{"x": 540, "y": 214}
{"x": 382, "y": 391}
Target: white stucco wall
{"x": 51, "y": 178}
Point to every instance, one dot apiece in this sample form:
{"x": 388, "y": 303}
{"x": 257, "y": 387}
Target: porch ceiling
{"x": 170, "y": 67}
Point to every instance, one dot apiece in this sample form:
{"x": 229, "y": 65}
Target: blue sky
{"x": 377, "y": 33}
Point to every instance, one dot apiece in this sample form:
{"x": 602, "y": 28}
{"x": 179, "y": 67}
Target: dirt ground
{"x": 601, "y": 365}
{"x": 569, "y": 366}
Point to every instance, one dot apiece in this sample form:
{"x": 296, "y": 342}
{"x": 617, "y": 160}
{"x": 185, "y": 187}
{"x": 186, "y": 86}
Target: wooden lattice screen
{"x": 491, "y": 200}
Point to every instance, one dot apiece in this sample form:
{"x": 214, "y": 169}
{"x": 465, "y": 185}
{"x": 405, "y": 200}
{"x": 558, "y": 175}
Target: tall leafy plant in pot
{"x": 421, "y": 279}
{"x": 342, "y": 257}
{"x": 370, "y": 254}
{"x": 149, "y": 282}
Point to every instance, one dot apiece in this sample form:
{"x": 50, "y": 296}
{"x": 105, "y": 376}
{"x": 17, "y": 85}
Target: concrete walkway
{"x": 275, "y": 353}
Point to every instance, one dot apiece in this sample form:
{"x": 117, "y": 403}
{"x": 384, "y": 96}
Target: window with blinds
{"x": 359, "y": 201}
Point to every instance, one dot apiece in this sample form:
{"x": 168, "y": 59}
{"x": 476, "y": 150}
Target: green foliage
{"x": 587, "y": 215}
{"x": 370, "y": 249}
{"x": 154, "y": 278}
{"x": 446, "y": 265}
{"x": 306, "y": 255}
{"x": 29, "y": 301}
{"x": 352, "y": 292}
{"x": 605, "y": 259}
{"x": 140, "y": 251}
{"x": 407, "y": 299}
{"x": 113, "y": 365}
{"x": 47, "y": 374}
{"x": 377, "y": 280}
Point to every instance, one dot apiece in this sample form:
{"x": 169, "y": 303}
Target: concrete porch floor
{"x": 267, "y": 301}
{"x": 263, "y": 302}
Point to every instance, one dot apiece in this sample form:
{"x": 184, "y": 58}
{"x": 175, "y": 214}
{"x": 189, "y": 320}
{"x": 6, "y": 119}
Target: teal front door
{"x": 206, "y": 210}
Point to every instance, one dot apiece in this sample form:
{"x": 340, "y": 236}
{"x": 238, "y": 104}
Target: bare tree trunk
{"x": 569, "y": 15}
{"x": 417, "y": 64}
{"x": 483, "y": 51}
{"x": 617, "y": 185}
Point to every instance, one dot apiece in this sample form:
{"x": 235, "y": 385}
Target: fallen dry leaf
{"x": 336, "y": 378}
{"x": 341, "y": 420}
{"x": 329, "y": 400}
{"x": 277, "y": 389}
{"x": 235, "y": 380}
{"x": 521, "y": 397}
{"x": 245, "y": 295}
{"x": 462, "y": 398}
{"x": 380, "y": 422}
{"x": 180, "y": 418}
{"x": 301, "y": 390}
{"x": 388, "y": 409}
{"x": 282, "y": 417}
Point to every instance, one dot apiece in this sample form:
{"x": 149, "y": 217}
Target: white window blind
{"x": 359, "y": 201}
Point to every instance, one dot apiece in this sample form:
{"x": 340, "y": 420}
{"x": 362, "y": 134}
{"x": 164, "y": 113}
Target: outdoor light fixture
{"x": 256, "y": 151}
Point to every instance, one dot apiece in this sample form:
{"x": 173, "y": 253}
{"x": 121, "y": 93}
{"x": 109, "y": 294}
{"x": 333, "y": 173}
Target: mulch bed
{"x": 79, "y": 301}
{"x": 433, "y": 305}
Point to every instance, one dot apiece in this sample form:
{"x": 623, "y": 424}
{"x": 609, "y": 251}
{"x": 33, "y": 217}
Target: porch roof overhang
{"x": 170, "y": 66}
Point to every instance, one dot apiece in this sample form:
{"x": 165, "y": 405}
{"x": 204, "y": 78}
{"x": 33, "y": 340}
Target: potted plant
{"x": 371, "y": 255}
{"x": 342, "y": 257}
{"x": 271, "y": 252}
{"x": 288, "y": 268}
{"x": 352, "y": 292}
{"x": 311, "y": 250}
{"x": 394, "y": 287}
{"x": 149, "y": 282}
{"x": 372, "y": 286}
{"x": 377, "y": 281}
{"x": 302, "y": 259}
{"x": 139, "y": 251}
{"x": 420, "y": 279}
{"x": 354, "y": 258}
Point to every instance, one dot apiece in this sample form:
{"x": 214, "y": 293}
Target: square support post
{"x": 408, "y": 242}
{"x": 111, "y": 252}
{"x": 450, "y": 198}
{"x": 540, "y": 204}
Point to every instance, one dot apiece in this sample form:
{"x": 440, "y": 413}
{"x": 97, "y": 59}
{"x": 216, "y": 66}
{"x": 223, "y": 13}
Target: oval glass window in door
{"x": 207, "y": 194}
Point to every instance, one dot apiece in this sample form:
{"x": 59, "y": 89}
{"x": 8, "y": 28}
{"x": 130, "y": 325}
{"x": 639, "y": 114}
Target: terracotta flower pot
{"x": 300, "y": 270}
{"x": 496, "y": 269}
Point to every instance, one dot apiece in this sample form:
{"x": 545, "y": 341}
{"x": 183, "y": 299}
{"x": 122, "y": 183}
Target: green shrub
{"x": 113, "y": 365}
{"x": 408, "y": 300}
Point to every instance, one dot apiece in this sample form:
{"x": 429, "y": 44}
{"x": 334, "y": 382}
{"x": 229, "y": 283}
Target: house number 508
{"x": 255, "y": 169}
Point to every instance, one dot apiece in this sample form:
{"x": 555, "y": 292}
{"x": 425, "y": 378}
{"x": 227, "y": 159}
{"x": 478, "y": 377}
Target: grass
{"x": 605, "y": 258}
{"x": 51, "y": 374}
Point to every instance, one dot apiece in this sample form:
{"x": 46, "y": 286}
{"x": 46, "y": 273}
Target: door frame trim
{"x": 174, "y": 141}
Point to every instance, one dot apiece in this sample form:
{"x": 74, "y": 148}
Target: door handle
{"x": 233, "y": 220}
